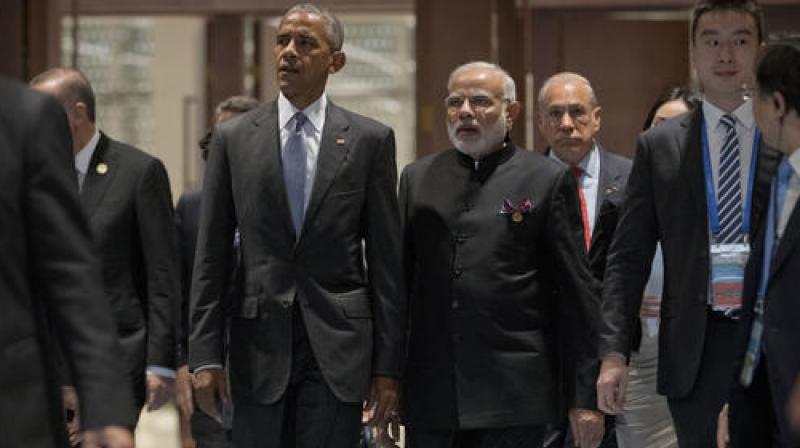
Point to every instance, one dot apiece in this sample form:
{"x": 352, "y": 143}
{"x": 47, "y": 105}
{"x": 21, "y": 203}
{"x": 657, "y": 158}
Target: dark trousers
{"x": 512, "y": 437}
{"x": 695, "y": 415}
{"x": 757, "y": 417}
{"x": 307, "y": 416}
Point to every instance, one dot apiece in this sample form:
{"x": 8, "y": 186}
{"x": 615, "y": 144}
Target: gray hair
{"x": 509, "y": 88}
{"x": 333, "y": 27}
{"x": 565, "y": 77}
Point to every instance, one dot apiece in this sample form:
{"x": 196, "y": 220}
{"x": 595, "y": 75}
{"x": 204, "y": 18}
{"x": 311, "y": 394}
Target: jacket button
{"x": 454, "y": 304}
{"x": 286, "y": 303}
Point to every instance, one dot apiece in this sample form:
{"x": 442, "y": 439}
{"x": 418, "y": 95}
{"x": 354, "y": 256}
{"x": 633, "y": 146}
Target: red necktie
{"x": 578, "y": 172}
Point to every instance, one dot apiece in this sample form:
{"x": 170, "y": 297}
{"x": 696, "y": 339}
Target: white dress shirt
{"x": 792, "y": 193}
{"x": 745, "y": 131}
{"x": 84, "y": 157}
{"x": 312, "y": 133}
{"x": 589, "y": 180}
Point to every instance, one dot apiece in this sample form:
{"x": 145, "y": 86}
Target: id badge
{"x": 727, "y": 276}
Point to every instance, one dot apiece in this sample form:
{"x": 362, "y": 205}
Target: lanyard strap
{"x": 769, "y": 243}
{"x": 711, "y": 195}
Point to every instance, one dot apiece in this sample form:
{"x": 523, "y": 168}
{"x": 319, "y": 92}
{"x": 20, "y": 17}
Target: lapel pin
{"x": 612, "y": 189}
{"x": 517, "y": 217}
{"x": 102, "y": 168}
{"x": 340, "y": 141}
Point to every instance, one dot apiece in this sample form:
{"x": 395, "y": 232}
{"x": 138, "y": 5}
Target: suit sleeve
{"x": 159, "y": 252}
{"x": 578, "y": 299}
{"x": 383, "y": 252}
{"x": 212, "y": 264}
{"x": 630, "y": 257}
{"x": 65, "y": 271}
{"x": 186, "y": 278}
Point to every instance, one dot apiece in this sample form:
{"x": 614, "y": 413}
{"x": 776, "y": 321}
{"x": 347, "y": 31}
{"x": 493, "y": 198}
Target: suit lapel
{"x": 265, "y": 139}
{"x": 690, "y": 152}
{"x": 767, "y": 165}
{"x": 333, "y": 148}
{"x": 608, "y": 187}
{"x": 789, "y": 240}
{"x": 102, "y": 169}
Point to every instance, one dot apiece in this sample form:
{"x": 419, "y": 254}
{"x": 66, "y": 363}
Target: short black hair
{"x": 74, "y": 87}
{"x": 746, "y": 6}
{"x": 779, "y": 70}
{"x": 673, "y": 93}
{"x": 237, "y": 104}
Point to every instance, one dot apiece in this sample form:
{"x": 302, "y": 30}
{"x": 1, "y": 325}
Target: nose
{"x": 726, "y": 52}
{"x": 565, "y": 121}
{"x": 466, "y": 110}
{"x": 290, "y": 50}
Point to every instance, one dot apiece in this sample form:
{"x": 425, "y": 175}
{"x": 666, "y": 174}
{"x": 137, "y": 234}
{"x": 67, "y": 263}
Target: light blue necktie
{"x": 294, "y": 171}
{"x": 729, "y": 193}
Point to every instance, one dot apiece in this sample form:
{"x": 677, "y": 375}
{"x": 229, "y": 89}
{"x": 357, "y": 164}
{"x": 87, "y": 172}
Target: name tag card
{"x": 727, "y": 276}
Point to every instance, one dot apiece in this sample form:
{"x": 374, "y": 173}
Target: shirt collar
{"x": 590, "y": 164}
{"x": 794, "y": 161}
{"x": 743, "y": 114}
{"x": 315, "y": 112}
{"x": 84, "y": 156}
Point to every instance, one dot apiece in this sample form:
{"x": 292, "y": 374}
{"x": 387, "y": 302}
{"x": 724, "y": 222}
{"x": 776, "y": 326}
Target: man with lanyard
{"x": 695, "y": 182}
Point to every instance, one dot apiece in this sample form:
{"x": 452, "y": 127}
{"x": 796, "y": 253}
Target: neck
{"x": 81, "y": 137}
{"x": 727, "y": 103}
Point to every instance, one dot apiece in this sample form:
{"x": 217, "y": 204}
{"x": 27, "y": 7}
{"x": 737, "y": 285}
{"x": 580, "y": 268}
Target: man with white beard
{"x": 489, "y": 233}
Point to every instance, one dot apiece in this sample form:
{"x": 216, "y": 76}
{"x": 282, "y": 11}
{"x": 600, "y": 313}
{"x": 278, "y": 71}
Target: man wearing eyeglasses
{"x": 488, "y": 236}
{"x": 569, "y": 119}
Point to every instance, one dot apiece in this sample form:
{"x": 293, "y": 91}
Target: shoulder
{"x": 129, "y": 156}
{"x": 359, "y": 123}
{"x": 679, "y": 126}
{"x": 423, "y": 164}
{"x": 538, "y": 162}
{"x": 615, "y": 162}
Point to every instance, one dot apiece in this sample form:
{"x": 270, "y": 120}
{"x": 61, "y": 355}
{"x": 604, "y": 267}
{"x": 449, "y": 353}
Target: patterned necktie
{"x": 587, "y": 236}
{"x": 294, "y": 171}
{"x": 729, "y": 193}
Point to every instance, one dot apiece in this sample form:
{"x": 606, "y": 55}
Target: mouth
{"x": 727, "y": 74}
{"x": 287, "y": 69}
{"x": 468, "y": 131}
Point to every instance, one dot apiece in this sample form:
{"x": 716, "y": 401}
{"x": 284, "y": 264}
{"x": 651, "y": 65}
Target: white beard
{"x": 491, "y": 138}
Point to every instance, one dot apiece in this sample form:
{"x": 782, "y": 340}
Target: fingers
{"x": 159, "y": 390}
{"x": 206, "y": 393}
{"x": 108, "y": 437}
{"x": 723, "y": 436}
{"x": 611, "y": 385}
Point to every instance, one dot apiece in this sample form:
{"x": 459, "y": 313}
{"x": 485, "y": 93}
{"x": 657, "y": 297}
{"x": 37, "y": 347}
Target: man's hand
{"x": 384, "y": 395}
{"x": 107, "y": 437}
{"x": 210, "y": 391}
{"x": 159, "y": 389}
{"x": 611, "y": 384}
{"x": 588, "y": 427}
{"x": 183, "y": 392}
{"x": 794, "y": 406}
{"x": 723, "y": 436}
{"x": 72, "y": 414}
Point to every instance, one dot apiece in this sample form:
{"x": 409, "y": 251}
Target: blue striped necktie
{"x": 729, "y": 192}
{"x": 294, "y": 171}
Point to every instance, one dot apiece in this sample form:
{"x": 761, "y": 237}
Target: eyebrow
{"x": 713, "y": 32}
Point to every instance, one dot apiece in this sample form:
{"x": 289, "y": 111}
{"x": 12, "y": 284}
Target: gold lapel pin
{"x": 102, "y": 168}
{"x": 340, "y": 141}
{"x": 516, "y": 217}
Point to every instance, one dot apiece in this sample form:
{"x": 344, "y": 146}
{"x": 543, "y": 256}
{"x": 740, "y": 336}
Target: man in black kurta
{"x": 489, "y": 230}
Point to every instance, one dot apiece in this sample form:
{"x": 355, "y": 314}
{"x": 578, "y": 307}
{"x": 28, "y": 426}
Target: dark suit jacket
{"x": 483, "y": 316}
{"x": 130, "y": 212}
{"x": 48, "y": 267}
{"x": 665, "y": 200}
{"x": 782, "y": 315}
{"x": 342, "y": 272}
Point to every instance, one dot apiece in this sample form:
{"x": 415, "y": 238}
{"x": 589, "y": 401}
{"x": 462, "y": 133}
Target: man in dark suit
{"x": 311, "y": 188}
{"x": 50, "y": 274}
{"x": 767, "y": 359}
{"x": 691, "y": 187}
{"x": 490, "y": 230}
{"x": 127, "y": 198}
{"x": 569, "y": 119}
{"x": 204, "y": 430}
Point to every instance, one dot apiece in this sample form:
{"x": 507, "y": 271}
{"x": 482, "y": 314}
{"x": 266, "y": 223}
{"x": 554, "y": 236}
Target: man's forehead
{"x": 715, "y": 23}
{"x": 568, "y": 93}
{"x": 485, "y": 81}
{"x": 299, "y": 22}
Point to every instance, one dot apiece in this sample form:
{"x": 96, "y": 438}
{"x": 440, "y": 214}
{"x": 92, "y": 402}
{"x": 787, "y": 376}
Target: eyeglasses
{"x": 477, "y": 102}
